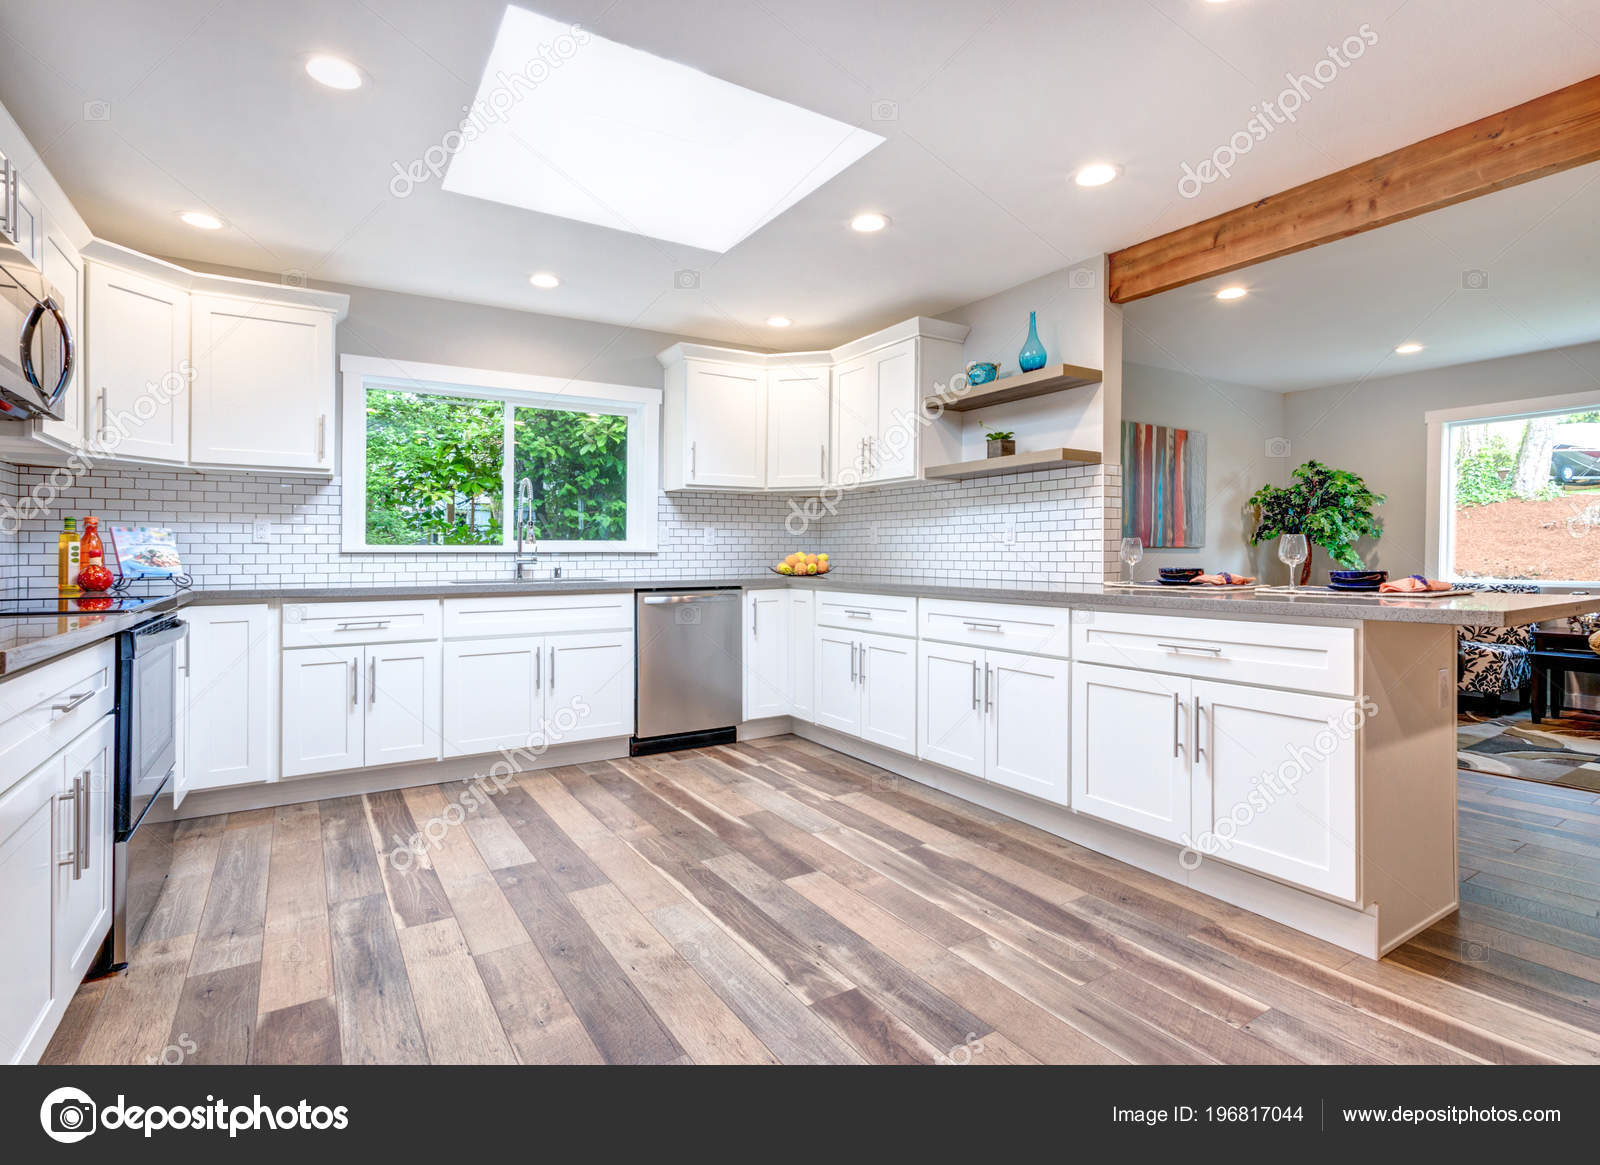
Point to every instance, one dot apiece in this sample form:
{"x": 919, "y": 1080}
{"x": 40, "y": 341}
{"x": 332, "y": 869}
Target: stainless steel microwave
{"x": 36, "y": 343}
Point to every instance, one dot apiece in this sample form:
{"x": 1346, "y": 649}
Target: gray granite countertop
{"x": 30, "y": 641}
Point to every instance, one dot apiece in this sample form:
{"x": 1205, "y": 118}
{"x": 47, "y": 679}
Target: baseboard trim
{"x": 1350, "y": 927}
{"x": 292, "y": 790}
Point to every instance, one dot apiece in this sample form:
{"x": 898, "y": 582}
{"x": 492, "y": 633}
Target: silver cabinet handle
{"x": 372, "y": 682}
{"x": 1190, "y": 647}
{"x": 1176, "y": 705}
{"x": 364, "y": 625}
{"x": 755, "y": 619}
{"x": 852, "y": 663}
{"x": 862, "y": 669}
{"x": 552, "y": 667}
{"x": 988, "y": 699}
{"x": 75, "y": 858}
{"x": 974, "y": 685}
{"x": 1198, "y": 751}
{"x": 100, "y": 409}
{"x": 322, "y": 436}
{"x": 858, "y": 614}
{"x": 73, "y": 701}
{"x": 538, "y": 669}
{"x": 822, "y": 462}
{"x": 974, "y": 626}
{"x": 355, "y": 684}
{"x": 693, "y": 462}
{"x": 88, "y": 820}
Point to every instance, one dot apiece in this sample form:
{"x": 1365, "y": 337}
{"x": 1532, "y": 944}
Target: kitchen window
{"x": 1514, "y": 491}
{"x": 435, "y": 458}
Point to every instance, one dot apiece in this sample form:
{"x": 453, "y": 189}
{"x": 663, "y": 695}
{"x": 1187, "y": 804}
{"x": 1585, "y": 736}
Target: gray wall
{"x": 1238, "y": 423}
{"x": 1376, "y": 428}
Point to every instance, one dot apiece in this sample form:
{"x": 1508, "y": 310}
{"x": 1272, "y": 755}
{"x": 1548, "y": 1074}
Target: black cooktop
{"x": 25, "y": 602}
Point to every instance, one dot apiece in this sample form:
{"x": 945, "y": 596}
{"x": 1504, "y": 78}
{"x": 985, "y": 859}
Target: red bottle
{"x": 92, "y": 574}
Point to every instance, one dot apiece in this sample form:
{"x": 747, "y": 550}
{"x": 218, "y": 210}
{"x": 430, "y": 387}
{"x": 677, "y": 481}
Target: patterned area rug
{"x": 1565, "y": 751}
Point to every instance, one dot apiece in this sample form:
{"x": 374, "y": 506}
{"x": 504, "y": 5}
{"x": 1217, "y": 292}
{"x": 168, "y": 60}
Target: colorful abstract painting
{"x": 1163, "y": 485}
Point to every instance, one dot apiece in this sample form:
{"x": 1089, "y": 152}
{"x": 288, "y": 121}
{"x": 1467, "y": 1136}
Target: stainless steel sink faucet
{"x": 524, "y": 515}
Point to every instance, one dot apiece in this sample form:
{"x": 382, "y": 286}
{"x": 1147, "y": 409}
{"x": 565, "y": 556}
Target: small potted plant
{"x": 1002, "y": 443}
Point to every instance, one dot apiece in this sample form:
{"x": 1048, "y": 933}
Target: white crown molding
{"x": 917, "y": 326}
{"x": 126, "y": 258}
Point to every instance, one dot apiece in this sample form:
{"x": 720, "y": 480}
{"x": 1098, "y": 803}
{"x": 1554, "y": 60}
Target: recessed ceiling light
{"x": 1233, "y": 293}
{"x": 723, "y": 160}
{"x": 1409, "y": 349}
{"x": 334, "y": 72}
{"x": 867, "y": 223}
{"x": 1095, "y": 174}
{"x": 544, "y": 279}
{"x": 778, "y": 321}
{"x": 202, "y": 220}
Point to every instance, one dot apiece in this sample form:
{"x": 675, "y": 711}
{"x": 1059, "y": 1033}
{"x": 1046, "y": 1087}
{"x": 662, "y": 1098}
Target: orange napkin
{"x": 1415, "y": 583}
{"x": 1224, "y": 580}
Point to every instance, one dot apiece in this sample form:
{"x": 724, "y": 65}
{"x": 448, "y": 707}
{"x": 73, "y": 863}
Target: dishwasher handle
{"x": 700, "y": 597}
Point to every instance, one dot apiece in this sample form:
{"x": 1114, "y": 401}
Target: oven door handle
{"x": 159, "y": 635}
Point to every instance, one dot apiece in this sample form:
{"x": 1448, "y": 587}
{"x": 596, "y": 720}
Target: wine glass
{"x": 1132, "y": 552}
{"x": 1292, "y": 551}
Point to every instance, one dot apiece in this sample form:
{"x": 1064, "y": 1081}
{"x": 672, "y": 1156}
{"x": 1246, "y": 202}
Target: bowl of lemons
{"x": 801, "y": 563}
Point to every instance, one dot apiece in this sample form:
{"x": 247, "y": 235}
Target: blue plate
{"x": 1354, "y": 586}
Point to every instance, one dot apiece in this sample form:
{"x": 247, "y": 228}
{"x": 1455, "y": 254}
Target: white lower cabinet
{"x": 83, "y": 823}
{"x": 230, "y": 718}
{"x": 356, "y": 706}
{"x": 768, "y": 660}
{"x": 802, "y": 625}
{"x": 1256, "y": 777}
{"x": 997, "y": 715}
{"x": 866, "y": 686}
{"x": 519, "y": 691}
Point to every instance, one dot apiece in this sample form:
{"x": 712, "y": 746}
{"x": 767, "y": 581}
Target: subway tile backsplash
{"x": 1048, "y": 529}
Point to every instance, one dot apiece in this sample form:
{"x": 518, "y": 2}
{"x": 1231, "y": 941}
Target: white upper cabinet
{"x": 855, "y": 413}
{"x": 138, "y": 365}
{"x": 263, "y": 392}
{"x": 63, "y": 270}
{"x": 876, "y": 404}
{"x": 27, "y": 230}
{"x": 725, "y": 425}
{"x": 797, "y": 427}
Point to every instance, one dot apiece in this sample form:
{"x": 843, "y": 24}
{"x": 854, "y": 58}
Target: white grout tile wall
{"x": 213, "y": 517}
{"x": 1051, "y": 529}
{"x": 1055, "y": 528}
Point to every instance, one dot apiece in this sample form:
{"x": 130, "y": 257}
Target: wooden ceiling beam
{"x": 1544, "y": 136}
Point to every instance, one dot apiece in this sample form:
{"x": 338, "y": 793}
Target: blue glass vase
{"x": 1031, "y": 358}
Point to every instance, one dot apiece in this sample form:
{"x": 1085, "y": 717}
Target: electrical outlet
{"x": 261, "y": 531}
{"x": 1011, "y": 529}
{"x": 708, "y": 536}
{"x": 872, "y": 534}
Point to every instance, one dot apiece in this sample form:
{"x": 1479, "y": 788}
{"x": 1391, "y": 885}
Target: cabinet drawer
{"x": 330, "y": 624}
{"x": 536, "y": 614}
{"x": 43, "y": 710}
{"x": 885, "y": 614}
{"x": 1277, "y": 655}
{"x": 1008, "y": 626}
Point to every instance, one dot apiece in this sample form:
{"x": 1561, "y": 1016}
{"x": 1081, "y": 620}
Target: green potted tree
{"x": 1331, "y": 507}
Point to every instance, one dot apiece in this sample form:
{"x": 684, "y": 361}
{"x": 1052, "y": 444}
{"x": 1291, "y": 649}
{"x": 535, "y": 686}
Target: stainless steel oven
{"x": 148, "y": 658}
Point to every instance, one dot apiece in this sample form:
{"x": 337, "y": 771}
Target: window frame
{"x": 642, "y": 407}
{"x": 1439, "y": 545}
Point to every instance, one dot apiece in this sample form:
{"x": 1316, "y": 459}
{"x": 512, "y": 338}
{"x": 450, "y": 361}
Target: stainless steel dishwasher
{"x": 690, "y": 688}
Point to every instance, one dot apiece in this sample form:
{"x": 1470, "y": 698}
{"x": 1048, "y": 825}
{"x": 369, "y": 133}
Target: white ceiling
{"x": 1511, "y": 272}
{"x": 993, "y": 106}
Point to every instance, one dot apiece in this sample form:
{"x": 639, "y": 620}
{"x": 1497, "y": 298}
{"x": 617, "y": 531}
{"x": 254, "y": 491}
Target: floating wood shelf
{"x": 1050, "y": 378}
{"x": 1015, "y": 463}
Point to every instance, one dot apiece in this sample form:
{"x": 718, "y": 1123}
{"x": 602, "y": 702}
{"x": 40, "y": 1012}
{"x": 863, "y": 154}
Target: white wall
{"x": 1238, "y": 422}
{"x": 1376, "y": 428}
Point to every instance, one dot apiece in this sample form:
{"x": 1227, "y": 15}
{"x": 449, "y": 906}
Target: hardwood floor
{"x": 778, "y": 902}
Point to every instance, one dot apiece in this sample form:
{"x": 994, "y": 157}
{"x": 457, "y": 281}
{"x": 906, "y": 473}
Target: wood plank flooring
{"x": 777, "y": 902}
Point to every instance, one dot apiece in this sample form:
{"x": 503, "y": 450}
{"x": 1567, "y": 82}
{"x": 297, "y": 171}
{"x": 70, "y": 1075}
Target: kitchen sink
{"x": 566, "y": 578}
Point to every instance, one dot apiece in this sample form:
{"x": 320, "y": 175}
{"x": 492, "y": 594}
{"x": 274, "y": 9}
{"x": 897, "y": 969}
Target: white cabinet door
{"x": 838, "y": 694}
{"x": 725, "y": 413}
{"x": 323, "y": 724}
{"x": 802, "y": 627}
{"x": 767, "y": 672}
{"x": 887, "y": 669}
{"x": 263, "y": 384}
{"x": 1029, "y": 707}
{"x": 1130, "y": 749}
{"x": 493, "y": 695}
{"x": 138, "y": 365}
{"x": 797, "y": 428}
{"x": 402, "y": 703}
{"x": 63, "y": 269}
{"x": 855, "y": 418}
{"x": 83, "y": 890}
{"x": 29, "y": 848}
{"x": 950, "y": 710}
{"x": 1275, "y": 784}
{"x": 892, "y": 451}
{"x": 232, "y": 709}
{"x": 28, "y": 229}
{"x": 589, "y": 686}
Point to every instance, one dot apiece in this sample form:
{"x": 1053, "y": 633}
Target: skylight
{"x": 571, "y": 124}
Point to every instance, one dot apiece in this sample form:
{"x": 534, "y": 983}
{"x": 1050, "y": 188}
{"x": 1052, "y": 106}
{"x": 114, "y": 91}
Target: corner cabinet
{"x": 797, "y": 427}
{"x": 230, "y": 718}
{"x": 263, "y": 390}
{"x": 137, "y": 366}
{"x": 715, "y": 421}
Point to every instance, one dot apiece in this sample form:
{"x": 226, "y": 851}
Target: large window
{"x": 453, "y": 459}
{"x": 1519, "y": 493}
